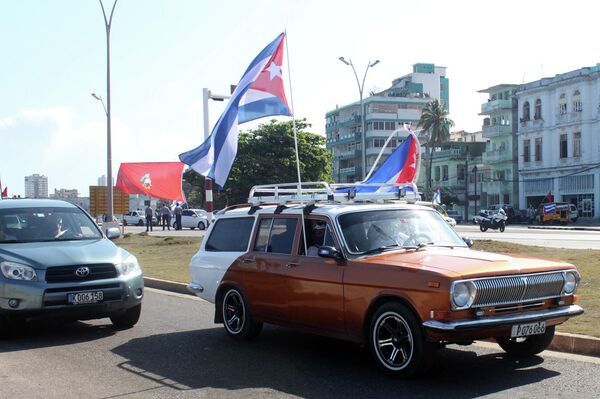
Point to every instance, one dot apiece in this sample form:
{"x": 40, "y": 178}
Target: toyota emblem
{"x": 82, "y": 271}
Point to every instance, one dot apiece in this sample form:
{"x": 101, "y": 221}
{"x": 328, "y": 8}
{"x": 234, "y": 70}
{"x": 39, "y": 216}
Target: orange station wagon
{"x": 377, "y": 270}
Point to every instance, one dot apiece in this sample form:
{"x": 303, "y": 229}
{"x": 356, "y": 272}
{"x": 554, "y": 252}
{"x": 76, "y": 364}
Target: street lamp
{"x": 362, "y": 109}
{"x": 107, "y": 24}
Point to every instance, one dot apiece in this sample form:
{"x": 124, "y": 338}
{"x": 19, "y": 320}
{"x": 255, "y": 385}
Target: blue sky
{"x": 164, "y": 52}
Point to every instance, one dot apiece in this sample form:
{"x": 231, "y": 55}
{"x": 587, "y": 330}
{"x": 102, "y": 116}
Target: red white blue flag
{"x": 259, "y": 93}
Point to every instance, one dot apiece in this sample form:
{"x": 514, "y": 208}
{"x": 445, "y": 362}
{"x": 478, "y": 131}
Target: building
{"x": 467, "y": 137}
{"x": 36, "y": 186}
{"x": 65, "y": 194}
{"x": 559, "y": 140}
{"x": 102, "y": 180}
{"x": 500, "y": 156}
{"x": 385, "y": 113}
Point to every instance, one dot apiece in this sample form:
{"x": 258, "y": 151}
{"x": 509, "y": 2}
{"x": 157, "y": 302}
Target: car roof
{"x": 34, "y": 203}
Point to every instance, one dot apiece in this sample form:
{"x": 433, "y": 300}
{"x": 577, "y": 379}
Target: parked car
{"x": 553, "y": 212}
{"x": 137, "y": 218}
{"x": 56, "y": 262}
{"x": 573, "y": 212}
{"x": 394, "y": 277}
{"x": 193, "y": 218}
{"x": 456, "y": 215}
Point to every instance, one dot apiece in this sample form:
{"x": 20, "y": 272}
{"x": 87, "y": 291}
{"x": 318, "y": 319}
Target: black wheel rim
{"x": 234, "y": 312}
{"x": 393, "y": 341}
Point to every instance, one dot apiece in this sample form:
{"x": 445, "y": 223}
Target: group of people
{"x": 163, "y": 213}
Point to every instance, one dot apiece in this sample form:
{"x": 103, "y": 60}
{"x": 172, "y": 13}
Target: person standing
{"x": 178, "y": 211}
{"x": 157, "y": 213}
{"x": 166, "y": 217}
{"x": 148, "y": 214}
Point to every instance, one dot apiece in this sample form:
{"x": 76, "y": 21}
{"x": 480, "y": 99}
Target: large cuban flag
{"x": 259, "y": 93}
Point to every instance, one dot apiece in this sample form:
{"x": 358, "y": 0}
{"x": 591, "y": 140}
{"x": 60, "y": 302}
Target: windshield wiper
{"x": 11, "y": 241}
{"x": 380, "y": 249}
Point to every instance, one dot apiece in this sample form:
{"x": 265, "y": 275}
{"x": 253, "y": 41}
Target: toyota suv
{"x": 56, "y": 262}
{"x": 393, "y": 276}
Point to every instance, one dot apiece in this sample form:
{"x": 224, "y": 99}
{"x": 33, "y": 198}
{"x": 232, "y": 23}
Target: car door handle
{"x": 248, "y": 260}
{"x": 291, "y": 264}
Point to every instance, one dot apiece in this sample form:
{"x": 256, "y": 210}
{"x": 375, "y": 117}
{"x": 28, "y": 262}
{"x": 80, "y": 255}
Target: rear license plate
{"x": 79, "y": 298}
{"x": 523, "y": 330}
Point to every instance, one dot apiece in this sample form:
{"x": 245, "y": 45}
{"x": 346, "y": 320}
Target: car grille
{"x": 517, "y": 289}
{"x": 66, "y": 274}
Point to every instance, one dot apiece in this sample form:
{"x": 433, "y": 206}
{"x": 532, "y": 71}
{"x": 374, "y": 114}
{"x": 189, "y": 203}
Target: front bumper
{"x": 493, "y": 322}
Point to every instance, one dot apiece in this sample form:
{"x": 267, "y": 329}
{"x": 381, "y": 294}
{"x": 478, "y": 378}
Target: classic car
{"x": 392, "y": 276}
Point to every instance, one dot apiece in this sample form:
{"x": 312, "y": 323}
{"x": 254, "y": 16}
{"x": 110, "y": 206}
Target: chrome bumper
{"x": 501, "y": 321}
{"x": 195, "y": 288}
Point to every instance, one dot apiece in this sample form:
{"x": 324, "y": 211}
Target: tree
{"x": 266, "y": 155}
{"x": 434, "y": 121}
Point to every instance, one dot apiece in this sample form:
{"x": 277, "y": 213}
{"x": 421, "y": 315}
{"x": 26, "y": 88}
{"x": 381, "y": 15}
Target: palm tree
{"x": 434, "y": 121}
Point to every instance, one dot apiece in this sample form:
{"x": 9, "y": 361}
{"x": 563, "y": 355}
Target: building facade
{"x": 559, "y": 140}
{"x": 36, "y": 186}
{"x": 385, "y": 113}
{"x": 500, "y": 156}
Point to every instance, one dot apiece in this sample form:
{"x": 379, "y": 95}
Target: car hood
{"x": 42, "y": 255}
{"x": 466, "y": 263}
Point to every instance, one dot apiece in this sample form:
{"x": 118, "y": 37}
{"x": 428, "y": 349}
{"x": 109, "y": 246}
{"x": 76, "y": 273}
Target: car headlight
{"x": 17, "y": 271}
{"x": 130, "y": 265}
{"x": 571, "y": 282}
{"x": 463, "y": 295}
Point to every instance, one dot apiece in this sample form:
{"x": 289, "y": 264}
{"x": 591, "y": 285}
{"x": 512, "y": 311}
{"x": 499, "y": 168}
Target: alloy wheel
{"x": 393, "y": 341}
{"x": 234, "y": 312}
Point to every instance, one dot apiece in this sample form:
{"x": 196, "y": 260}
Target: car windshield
{"x": 19, "y": 225}
{"x": 377, "y": 231}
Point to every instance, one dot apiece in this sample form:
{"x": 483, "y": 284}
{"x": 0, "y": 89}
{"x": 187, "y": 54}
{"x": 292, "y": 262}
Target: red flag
{"x": 5, "y": 192}
{"x": 156, "y": 179}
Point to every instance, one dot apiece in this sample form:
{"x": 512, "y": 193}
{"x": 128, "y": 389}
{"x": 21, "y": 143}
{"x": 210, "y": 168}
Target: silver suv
{"x": 56, "y": 262}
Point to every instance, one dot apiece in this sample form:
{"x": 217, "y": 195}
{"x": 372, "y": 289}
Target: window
{"x": 276, "y": 235}
{"x": 563, "y": 146}
{"x": 538, "y": 110}
{"x": 390, "y": 125}
{"x": 500, "y": 175}
{"x": 577, "y": 106}
{"x": 318, "y": 233}
{"x": 538, "y": 149}
{"x": 577, "y": 144}
{"x": 445, "y": 172}
{"x": 562, "y": 104}
{"x": 230, "y": 235}
{"x": 460, "y": 172}
{"x": 526, "y": 150}
{"x": 436, "y": 173}
{"x": 525, "y": 117}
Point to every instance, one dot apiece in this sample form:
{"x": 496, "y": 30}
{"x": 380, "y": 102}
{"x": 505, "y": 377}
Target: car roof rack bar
{"x": 283, "y": 193}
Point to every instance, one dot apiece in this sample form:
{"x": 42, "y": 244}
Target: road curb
{"x": 563, "y": 342}
{"x": 564, "y": 228}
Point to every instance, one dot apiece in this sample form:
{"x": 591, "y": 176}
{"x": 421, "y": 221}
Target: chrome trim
{"x": 503, "y": 321}
{"x": 195, "y": 288}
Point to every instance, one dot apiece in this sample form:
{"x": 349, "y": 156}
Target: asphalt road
{"x": 176, "y": 351}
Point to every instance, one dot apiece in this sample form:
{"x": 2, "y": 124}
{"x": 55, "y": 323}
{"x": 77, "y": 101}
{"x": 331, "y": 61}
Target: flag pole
{"x": 383, "y": 149}
{"x": 295, "y": 130}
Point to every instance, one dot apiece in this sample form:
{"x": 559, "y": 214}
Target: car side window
{"x": 276, "y": 235}
{"x": 230, "y": 235}
{"x": 318, "y": 233}
{"x": 188, "y": 213}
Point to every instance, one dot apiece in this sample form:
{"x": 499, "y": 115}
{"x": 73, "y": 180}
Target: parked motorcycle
{"x": 496, "y": 222}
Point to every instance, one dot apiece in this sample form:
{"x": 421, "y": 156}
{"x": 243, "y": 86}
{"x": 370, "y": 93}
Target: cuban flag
{"x": 259, "y": 93}
{"x": 400, "y": 167}
{"x": 550, "y": 208}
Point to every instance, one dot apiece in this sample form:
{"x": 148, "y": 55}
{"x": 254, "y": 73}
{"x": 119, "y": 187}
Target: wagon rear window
{"x": 230, "y": 235}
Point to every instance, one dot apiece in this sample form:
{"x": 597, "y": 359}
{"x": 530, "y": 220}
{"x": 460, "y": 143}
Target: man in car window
{"x": 316, "y": 237}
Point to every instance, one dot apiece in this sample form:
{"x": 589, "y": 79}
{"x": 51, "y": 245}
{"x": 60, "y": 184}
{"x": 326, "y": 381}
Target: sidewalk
{"x": 563, "y": 342}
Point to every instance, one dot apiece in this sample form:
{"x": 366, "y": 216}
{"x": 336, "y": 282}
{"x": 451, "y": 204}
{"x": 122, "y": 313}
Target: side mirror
{"x": 468, "y": 241}
{"x": 330, "y": 252}
{"x": 113, "y": 233}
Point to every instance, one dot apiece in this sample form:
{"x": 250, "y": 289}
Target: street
{"x": 177, "y": 351}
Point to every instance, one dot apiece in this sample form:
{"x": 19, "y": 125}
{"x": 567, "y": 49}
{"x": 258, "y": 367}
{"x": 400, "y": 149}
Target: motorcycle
{"x": 496, "y": 222}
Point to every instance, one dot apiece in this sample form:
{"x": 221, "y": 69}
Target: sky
{"x": 53, "y": 56}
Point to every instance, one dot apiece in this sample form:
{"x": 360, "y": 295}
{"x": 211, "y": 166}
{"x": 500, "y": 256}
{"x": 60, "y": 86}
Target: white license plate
{"x": 523, "y": 330}
{"x": 78, "y": 298}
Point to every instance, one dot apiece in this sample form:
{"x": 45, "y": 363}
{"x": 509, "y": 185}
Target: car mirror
{"x": 468, "y": 241}
{"x": 330, "y": 252}
{"x": 113, "y": 233}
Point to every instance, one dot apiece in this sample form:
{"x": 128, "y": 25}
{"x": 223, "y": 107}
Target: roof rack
{"x": 312, "y": 192}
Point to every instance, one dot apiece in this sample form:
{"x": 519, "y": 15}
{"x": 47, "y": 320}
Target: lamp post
{"x": 207, "y": 95}
{"x": 107, "y": 24}
{"x": 362, "y": 110}
{"x": 475, "y": 173}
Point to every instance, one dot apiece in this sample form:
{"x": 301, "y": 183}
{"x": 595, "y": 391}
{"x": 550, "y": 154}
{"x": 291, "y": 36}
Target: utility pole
{"x": 467, "y": 186}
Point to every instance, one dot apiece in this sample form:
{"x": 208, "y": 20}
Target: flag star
{"x": 274, "y": 70}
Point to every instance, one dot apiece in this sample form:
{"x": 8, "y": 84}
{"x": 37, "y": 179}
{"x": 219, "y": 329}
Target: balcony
{"x": 345, "y": 138}
{"x": 376, "y": 150}
{"x": 495, "y": 105}
{"x": 496, "y": 130}
{"x": 349, "y": 154}
{"x": 354, "y": 170}
{"x": 449, "y": 153}
{"x": 497, "y": 156}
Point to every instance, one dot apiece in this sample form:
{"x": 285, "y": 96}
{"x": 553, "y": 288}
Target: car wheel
{"x": 526, "y": 346}
{"x": 483, "y": 227}
{"x": 127, "y": 319}
{"x": 140, "y": 222}
{"x": 237, "y": 318}
{"x": 502, "y": 227}
{"x": 201, "y": 225}
{"x": 397, "y": 342}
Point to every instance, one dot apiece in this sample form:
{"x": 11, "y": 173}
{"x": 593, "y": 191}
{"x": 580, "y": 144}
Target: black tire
{"x": 127, "y": 319}
{"x": 237, "y": 318}
{"x": 502, "y": 227}
{"x": 201, "y": 225}
{"x": 140, "y": 222}
{"x": 483, "y": 227}
{"x": 393, "y": 331}
{"x": 5, "y": 327}
{"x": 526, "y": 346}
